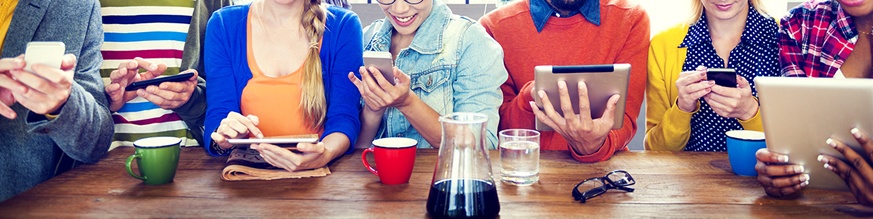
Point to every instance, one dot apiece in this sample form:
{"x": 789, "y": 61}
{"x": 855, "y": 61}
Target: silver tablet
{"x": 603, "y": 81}
{"x": 800, "y": 114}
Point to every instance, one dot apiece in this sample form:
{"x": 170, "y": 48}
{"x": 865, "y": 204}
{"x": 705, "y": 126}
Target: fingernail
{"x": 542, "y": 94}
{"x": 153, "y": 67}
{"x": 581, "y": 84}
{"x": 827, "y": 166}
{"x": 562, "y": 84}
{"x": 711, "y": 82}
{"x": 798, "y": 169}
{"x": 804, "y": 183}
{"x": 260, "y": 135}
{"x": 822, "y": 159}
{"x": 855, "y": 132}
{"x": 804, "y": 177}
{"x": 783, "y": 158}
{"x": 831, "y": 142}
{"x": 18, "y": 62}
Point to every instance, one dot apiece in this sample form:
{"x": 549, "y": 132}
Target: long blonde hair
{"x": 313, "y": 100}
{"x": 697, "y": 9}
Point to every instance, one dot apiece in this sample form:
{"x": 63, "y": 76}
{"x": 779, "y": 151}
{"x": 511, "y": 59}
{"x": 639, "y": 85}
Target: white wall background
{"x": 666, "y": 13}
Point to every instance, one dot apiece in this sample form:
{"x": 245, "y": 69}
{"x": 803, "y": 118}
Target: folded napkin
{"x": 247, "y": 164}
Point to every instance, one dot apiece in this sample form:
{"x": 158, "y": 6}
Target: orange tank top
{"x": 274, "y": 100}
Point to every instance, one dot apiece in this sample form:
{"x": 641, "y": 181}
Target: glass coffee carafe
{"x": 462, "y": 185}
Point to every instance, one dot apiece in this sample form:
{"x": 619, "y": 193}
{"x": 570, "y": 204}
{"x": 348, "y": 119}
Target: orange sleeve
{"x": 635, "y": 52}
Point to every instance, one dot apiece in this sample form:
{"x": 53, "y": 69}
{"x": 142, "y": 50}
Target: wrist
{"x": 410, "y": 99}
{"x": 751, "y": 110}
{"x": 587, "y": 149}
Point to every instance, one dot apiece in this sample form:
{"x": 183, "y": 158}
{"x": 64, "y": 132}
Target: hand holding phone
{"x": 157, "y": 81}
{"x": 45, "y": 53}
{"x": 725, "y": 77}
{"x": 382, "y": 61}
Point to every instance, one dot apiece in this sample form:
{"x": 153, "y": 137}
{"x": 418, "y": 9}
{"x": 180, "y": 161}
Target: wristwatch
{"x": 219, "y": 150}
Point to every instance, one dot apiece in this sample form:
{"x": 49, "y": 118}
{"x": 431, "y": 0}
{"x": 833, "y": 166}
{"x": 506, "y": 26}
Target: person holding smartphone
{"x": 827, "y": 39}
{"x": 686, "y": 107}
{"x": 277, "y": 68}
{"x": 444, "y": 63}
{"x": 52, "y": 118}
{"x": 170, "y": 46}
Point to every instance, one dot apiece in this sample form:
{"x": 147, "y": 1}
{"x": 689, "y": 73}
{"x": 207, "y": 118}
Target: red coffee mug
{"x": 395, "y": 158}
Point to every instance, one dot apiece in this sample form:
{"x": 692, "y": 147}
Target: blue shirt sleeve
{"x": 345, "y": 55}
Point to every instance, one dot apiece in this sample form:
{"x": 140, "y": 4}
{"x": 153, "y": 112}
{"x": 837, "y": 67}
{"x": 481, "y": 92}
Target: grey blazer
{"x": 31, "y": 146}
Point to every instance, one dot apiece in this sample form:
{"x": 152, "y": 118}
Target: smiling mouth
{"x": 405, "y": 19}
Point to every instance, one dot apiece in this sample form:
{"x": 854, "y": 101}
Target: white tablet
{"x": 275, "y": 140}
{"x": 800, "y": 114}
{"x": 603, "y": 81}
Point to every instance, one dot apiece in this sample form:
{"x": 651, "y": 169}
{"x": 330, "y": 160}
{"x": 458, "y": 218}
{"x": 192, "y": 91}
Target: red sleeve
{"x": 635, "y": 52}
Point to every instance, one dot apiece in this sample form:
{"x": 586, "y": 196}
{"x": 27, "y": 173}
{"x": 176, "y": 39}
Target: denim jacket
{"x": 454, "y": 66}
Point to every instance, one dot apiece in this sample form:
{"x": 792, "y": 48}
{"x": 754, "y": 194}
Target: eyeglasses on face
{"x": 593, "y": 187}
{"x": 389, "y": 2}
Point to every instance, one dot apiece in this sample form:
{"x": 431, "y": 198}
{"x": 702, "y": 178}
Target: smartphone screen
{"x": 382, "y": 61}
{"x": 725, "y": 77}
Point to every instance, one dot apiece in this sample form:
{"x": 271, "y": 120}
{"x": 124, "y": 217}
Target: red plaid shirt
{"x": 815, "y": 38}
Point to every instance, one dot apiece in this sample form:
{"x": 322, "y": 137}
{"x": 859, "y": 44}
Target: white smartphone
{"x": 282, "y": 141}
{"x": 45, "y": 53}
{"x": 382, "y": 61}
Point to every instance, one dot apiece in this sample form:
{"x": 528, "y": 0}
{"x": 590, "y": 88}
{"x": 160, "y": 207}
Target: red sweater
{"x": 622, "y": 37}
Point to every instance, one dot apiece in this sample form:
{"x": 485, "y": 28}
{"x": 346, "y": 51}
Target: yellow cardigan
{"x": 667, "y": 127}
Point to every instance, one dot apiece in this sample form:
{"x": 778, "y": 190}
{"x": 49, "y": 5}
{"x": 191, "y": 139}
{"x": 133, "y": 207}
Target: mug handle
{"x": 127, "y": 164}
{"x": 367, "y": 164}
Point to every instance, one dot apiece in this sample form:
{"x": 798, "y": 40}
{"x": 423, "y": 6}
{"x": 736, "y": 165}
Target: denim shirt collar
{"x": 428, "y": 37}
{"x": 541, "y": 11}
{"x": 699, "y": 31}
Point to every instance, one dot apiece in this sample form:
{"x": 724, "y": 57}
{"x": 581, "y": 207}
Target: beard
{"x": 568, "y": 5}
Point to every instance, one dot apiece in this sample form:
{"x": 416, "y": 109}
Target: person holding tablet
{"x": 686, "y": 110}
{"x": 444, "y": 63}
{"x": 571, "y": 32}
{"x": 277, "y": 68}
{"x": 831, "y": 39}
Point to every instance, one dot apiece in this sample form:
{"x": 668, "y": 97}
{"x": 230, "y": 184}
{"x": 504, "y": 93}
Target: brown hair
{"x": 313, "y": 100}
{"x": 697, "y": 9}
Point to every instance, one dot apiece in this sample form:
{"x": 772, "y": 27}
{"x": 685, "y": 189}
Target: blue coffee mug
{"x": 741, "y": 147}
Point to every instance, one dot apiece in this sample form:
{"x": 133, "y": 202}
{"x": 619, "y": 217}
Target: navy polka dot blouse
{"x": 757, "y": 54}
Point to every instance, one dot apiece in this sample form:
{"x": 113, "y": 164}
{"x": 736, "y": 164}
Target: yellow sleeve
{"x": 755, "y": 123}
{"x": 667, "y": 127}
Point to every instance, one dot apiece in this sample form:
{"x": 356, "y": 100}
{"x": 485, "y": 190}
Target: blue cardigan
{"x": 225, "y": 60}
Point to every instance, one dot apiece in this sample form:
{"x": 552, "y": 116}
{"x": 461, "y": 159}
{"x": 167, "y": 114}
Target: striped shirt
{"x": 156, "y": 31}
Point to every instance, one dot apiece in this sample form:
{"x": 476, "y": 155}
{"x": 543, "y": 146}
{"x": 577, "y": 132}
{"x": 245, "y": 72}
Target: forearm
{"x": 80, "y": 111}
{"x": 370, "y": 121}
{"x": 335, "y": 145}
{"x": 671, "y": 131}
{"x": 424, "y": 119}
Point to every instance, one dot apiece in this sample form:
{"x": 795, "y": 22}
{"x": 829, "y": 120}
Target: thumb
{"x": 68, "y": 62}
{"x": 609, "y": 112}
{"x": 311, "y": 147}
{"x": 400, "y": 77}
{"x": 742, "y": 82}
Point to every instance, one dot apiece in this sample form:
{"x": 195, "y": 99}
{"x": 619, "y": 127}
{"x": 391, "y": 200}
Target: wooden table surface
{"x": 674, "y": 185}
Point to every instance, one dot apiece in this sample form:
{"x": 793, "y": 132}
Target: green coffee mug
{"x": 156, "y": 159}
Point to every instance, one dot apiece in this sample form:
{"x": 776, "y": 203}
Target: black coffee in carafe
{"x": 463, "y": 198}
{"x": 462, "y": 185}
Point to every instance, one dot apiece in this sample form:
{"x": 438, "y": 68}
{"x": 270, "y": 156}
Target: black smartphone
{"x": 725, "y": 77}
{"x": 156, "y": 81}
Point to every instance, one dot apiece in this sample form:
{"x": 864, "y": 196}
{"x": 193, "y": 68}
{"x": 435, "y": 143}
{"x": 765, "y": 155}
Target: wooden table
{"x": 675, "y": 185}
